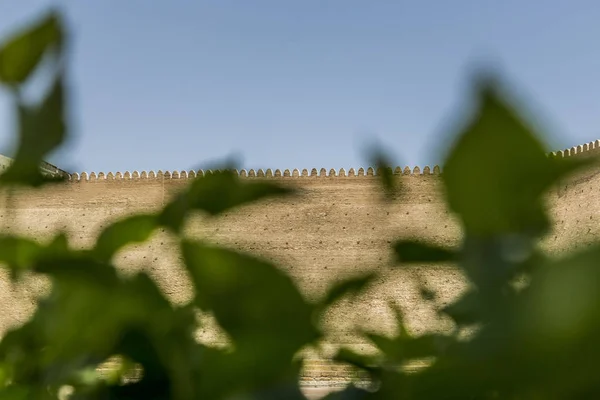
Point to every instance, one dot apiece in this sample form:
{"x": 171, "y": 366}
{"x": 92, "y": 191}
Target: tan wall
{"x": 338, "y": 227}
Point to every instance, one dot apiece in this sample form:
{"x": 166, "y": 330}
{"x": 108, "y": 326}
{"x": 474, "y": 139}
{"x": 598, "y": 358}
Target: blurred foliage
{"x": 533, "y": 340}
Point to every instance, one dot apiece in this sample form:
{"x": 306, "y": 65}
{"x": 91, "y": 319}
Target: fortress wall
{"x": 576, "y": 212}
{"x": 340, "y": 227}
{"x": 337, "y": 227}
{"x": 575, "y": 203}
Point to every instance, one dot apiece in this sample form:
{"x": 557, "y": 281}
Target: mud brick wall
{"x": 337, "y": 227}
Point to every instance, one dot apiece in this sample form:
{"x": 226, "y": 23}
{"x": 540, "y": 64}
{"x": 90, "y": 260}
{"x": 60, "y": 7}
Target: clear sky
{"x": 177, "y": 84}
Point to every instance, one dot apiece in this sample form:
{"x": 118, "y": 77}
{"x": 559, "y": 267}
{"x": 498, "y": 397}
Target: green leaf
{"x": 248, "y": 296}
{"x": 383, "y": 166}
{"x": 497, "y": 170}
{"x": 259, "y": 307}
{"x": 427, "y": 294}
{"x": 75, "y": 267}
{"x": 92, "y": 314}
{"x": 215, "y": 194}
{"x": 466, "y": 310}
{"x": 22, "y": 52}
{"x": 404, "y": 349}
{"x": 58, "y": 247}
{"x": 350, "y": 392}
{"x": 42, "y": 130}
{"x": 18, "y": 253}
{"x": 21, "y": 254}
{"x": 15, "y": 393}
{"x": 386, "y": 345}
{"x": 399, "y": 316}
{"x": 174, "y": 214}
{"x": 415, "y": 251}
{"x": 364, "y": 362}
{"x": 563, "y": 298}
{"x": 133, "y": 229}
{"x": 351, "y": 286}
{"x": 404, "y": 346}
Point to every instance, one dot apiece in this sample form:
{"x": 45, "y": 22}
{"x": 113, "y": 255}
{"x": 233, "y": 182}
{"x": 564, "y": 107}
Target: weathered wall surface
{"x": 576, "y": 205}
{"x": 337, "y": 227}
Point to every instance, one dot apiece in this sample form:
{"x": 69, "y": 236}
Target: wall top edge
{"x": 581, "y": 150}
{"x": 252, "y": 173}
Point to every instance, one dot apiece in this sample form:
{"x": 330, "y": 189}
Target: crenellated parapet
{"x": 252, "y": 173}
{"x": 587, "y": 149}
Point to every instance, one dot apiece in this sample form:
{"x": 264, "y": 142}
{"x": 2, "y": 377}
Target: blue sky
{"x": 178, "y": 84}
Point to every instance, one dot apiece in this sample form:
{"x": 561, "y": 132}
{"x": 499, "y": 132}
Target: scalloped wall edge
{"x": 581, "y": 150}
{"x": 251, "y": 173}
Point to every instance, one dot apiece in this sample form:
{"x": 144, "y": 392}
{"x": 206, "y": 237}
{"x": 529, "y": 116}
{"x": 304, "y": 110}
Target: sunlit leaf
{"x": 22, "y": 52}
{"x": 258, "y": 306}
{"x": 90, "y": 315}
{"x": 42, "y": 129}
{"x": 18, "y": 253}
{"x": 497, "y": 170}
{"x": 133, "y": 229}
{"x": 249, "y": 296}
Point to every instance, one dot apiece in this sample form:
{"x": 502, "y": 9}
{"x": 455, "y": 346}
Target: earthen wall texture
{"x": 337, "y": 227}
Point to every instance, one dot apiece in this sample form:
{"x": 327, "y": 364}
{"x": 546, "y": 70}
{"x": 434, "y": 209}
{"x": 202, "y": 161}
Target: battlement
{"x": 587, "y": 149}
{"x": 251, "y": 173}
